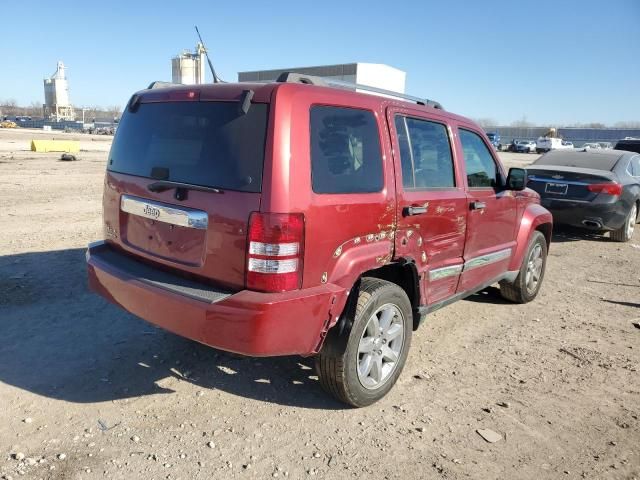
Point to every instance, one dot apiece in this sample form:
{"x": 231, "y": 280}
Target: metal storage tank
{"x": 56, "y": 96}
{"x": 188, "y": 68}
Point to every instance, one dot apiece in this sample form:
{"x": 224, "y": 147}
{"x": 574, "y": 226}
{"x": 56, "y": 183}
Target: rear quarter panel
{"x": 345, "y": 234}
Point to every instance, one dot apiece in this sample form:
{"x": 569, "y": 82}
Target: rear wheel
{"x": 527, "y": 284}
{"x": 625, "y": 233}
{"x": 360, "y": 366}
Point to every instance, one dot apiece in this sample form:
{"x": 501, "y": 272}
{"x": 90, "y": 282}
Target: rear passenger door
{"x": 431, "y": 201}
{"x": 492, "y": 213}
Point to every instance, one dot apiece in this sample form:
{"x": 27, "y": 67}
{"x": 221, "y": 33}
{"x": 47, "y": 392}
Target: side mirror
{"x": 517, "y": 179}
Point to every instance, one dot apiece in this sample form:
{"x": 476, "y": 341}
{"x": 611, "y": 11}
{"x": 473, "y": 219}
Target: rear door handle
{"x": 478, "y": 205}
{"x": 412, "y": 210}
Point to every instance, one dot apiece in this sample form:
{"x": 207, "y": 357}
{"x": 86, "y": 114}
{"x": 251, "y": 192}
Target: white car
{"x": 525, "y": 146}
{"x": 545, "y": 144}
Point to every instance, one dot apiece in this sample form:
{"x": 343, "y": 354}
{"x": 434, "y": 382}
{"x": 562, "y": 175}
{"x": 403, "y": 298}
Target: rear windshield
{"x": 596, "y": 161}
{"x": 212, "y": 144}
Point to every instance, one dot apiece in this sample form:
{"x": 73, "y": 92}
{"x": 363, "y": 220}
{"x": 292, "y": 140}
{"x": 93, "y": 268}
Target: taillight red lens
{"x": 608, "y": 188}
{"x": 274, "y": 251}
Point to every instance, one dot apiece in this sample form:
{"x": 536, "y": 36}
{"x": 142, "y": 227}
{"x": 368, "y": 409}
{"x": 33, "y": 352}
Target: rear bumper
{"x": 246, "y": 322}
{"x": 604, "y": 216}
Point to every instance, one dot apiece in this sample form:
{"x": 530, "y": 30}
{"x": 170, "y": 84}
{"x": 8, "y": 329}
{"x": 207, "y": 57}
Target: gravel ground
{"x": 89, "y": 391}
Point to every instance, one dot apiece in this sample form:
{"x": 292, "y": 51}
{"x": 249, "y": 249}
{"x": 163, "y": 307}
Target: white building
{"x": 376, "y": 75}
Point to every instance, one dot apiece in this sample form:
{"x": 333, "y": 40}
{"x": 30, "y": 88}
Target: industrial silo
{"x": 56, "y": 96}
{"x": 188, "y": 68}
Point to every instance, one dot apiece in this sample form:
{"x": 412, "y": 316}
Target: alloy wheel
{"x": 631, "y": 221}
{"x": 535, "y": 263}
{"x": 380, "y": 346}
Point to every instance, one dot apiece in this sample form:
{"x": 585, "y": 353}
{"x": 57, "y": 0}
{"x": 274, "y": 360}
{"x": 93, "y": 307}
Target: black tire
{"x": 337, "y": 363}
{"x": 625, "y": 233}
{"x": 519, "y": 291}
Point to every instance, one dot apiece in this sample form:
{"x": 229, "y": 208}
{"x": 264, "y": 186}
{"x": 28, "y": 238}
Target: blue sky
{"x": 553, "y": 62}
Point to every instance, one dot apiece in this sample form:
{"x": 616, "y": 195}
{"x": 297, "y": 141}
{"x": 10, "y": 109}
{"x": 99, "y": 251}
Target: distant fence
{"x": 576, "y": 135}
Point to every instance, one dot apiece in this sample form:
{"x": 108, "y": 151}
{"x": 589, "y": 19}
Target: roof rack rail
{"x": 293, "y": 77}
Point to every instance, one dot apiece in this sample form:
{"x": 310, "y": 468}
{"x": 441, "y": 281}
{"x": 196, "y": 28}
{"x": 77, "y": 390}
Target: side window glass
{"x": 635, "y": 166}
{"x": 345, "y": 151}
{"x": 425, "y": 154}
{"x": 482, "y": 171}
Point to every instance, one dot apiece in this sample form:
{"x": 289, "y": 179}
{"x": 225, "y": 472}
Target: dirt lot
{"x": 89, "y": 391}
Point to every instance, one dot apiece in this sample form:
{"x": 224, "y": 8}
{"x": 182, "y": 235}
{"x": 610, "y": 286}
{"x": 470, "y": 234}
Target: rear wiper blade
{"x": 162, "y": 185}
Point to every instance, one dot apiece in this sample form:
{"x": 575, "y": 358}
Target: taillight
{"x": 608, "y": 188}
{"x": 274, "y": 252}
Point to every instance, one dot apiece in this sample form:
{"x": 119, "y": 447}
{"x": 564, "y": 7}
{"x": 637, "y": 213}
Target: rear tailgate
{"x": 206, "y": 144}
{"x": 567, "y": 183}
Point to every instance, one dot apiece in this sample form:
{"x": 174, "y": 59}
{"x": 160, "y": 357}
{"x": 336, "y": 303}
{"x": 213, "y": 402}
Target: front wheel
{"x": 625, "y": 233}
{"x": 527, "y": 284}
{"x": 361, "y": 365}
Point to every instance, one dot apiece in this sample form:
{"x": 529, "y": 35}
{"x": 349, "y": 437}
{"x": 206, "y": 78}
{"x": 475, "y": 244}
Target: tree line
{"x": 10, "y": 108}
{"x": 524, "y": 123}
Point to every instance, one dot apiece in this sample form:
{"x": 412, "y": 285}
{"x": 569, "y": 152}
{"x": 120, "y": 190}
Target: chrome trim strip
{"x": 444, "y": 272}
{"x": 568, "y": 200}
{"x": 184, "y": 217}
{"x": 536, "y": 178}
{"x": 487, "y": 259}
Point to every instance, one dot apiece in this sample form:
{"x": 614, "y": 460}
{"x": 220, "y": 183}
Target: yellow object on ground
{"x": 70, "y": 146}
{"x": 8, "y": 124}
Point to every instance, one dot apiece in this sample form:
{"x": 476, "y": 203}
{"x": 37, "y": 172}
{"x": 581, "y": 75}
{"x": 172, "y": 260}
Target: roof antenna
{"x": 216, "y": 79}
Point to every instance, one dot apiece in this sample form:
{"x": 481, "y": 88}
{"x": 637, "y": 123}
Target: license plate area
{"x": 556, "y": 188}
{"x": 170, "y": 232}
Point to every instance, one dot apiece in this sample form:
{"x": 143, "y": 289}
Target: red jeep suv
{"x": 297, "y": 217}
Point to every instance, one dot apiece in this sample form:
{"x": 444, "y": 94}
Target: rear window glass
{"x": 594, "y": 160}
{"x": 200, "y": 143}
{"x": 345, "y": 151}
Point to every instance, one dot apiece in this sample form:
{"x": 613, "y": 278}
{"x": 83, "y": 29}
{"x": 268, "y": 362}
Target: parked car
{"x": 546, "y": 144}
{"x": 629, "y": 144}
{"x": 525, "y": 146}
{"x": 605, "y": 145}
{"x": 292, "y": 218}
{"x": 494, "y": 138}
{"x": 594, "y": 189}
{"x": 513, "y": 145}
{"x": 591, "y": 145}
